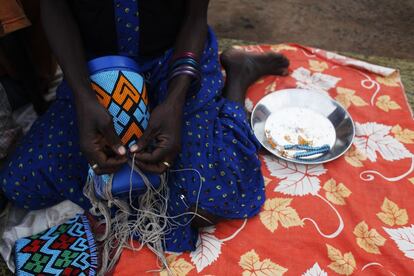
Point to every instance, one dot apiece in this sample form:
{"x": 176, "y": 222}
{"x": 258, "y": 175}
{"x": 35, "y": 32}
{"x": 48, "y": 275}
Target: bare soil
{"x": 369, "y": 27}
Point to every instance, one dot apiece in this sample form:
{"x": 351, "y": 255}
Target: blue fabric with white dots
{"x": 217, "y": 140}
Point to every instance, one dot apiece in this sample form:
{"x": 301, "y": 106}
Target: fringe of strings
{"x": 144, "y": 218}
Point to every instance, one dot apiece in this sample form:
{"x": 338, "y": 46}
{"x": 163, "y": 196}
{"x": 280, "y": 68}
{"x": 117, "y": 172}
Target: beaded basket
{"x": 121, "y": 90}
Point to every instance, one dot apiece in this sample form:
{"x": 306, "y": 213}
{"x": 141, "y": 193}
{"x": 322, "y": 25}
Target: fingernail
{"x": 134, "y": 148}
{"x": 121, "y": 150}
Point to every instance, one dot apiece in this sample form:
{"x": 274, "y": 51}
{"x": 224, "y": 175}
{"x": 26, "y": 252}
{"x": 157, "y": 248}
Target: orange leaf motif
{"x": 282, "y": 47}
{"x": 252, "y": 265}
{"x": 178, "y": 267}
{"x": 392, "y": 80}
{"x": 405, "y": 136}
{"x": 267, "y": 180}
{"x": 341, "y": 264}
{"x": 271, "y": 87}
{"x": 278, "y": 210}
{"x": 346, "y": 97}
{"x": 385, "y": 103}
{"x": 392, "y": 214}
{"x": 354, "y": 157}
{"x": 318, "y": 66}
{"x": 369, "y": 240}
{"x": 336, "y": 193}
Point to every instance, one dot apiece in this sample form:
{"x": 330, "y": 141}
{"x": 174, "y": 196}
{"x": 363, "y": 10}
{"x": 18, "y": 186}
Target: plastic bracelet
{"x": 185, "y": 54}
{"x": 186, "y": 62}
{"x": 185, "y": 67}
{"x": 183, "y": 72}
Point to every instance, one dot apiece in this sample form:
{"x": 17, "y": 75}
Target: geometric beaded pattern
{"x": 124, "y": 94}
{"x": 66, "y": 249}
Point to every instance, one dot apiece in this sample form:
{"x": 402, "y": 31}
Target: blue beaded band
{"x": 305, "y": 147}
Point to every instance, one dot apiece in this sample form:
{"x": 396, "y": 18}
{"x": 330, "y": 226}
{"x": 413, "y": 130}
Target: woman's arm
{"x": 95, "y": 124}
{"x": 166, "y": 119}
{"x": 191, "y": 38}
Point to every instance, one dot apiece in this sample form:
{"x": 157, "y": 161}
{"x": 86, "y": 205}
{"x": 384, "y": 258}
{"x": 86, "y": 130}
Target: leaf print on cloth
{"x": 278, "y": 210}
{"x": 346, "y": 97}
{"x": 282, "y": 47}
{"x": 386, "y": 104}
{"x": 392, "y": 214}
{"x": 300, "y": 180}
{"x": 267, "y": 180}
{"x": 271, "y": 87}
{"x": 317, "y": 81}
{"x": 369, "y": 240}
{"x": 252, "y": 265}
{"x": 296, "y": 179}
{"x": 318, "y": 66}
{"x": 404, "y": 238}
{"x": 342, "y": 264}
{"x": 336, "y": 193}
{"x": 392, "y": 80}
{"x": 178, "y": 267}
{"x": 373, "y": 137}
{"x": 354, "y": 157}
{"x": 315, "y": 270}
{"x": 405, "y": 136}
{"x": 208, "y": 248}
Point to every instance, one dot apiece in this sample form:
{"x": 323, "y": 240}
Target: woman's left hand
{"x": 161, "y": 141}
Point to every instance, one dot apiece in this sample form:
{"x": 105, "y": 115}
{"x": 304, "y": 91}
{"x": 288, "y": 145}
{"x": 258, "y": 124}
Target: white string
{"x": 148, "y": 221}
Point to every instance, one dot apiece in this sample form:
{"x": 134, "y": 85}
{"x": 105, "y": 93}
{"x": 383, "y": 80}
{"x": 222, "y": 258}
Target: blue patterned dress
{"x": 48, "y": 166}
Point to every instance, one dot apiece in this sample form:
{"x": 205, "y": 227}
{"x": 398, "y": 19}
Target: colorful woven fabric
{"x": 67, "y": 249}
{"x": 352, "y": 216}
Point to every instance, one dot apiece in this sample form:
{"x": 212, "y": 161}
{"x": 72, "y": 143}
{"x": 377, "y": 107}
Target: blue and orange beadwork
{"x": 125, "y": 96}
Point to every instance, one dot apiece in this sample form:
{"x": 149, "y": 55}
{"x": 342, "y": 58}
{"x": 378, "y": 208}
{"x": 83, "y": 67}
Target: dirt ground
{"x": 370, "y": 27}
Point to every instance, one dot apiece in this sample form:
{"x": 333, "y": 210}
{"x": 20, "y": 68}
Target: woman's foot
{"x": 243, "y": 68}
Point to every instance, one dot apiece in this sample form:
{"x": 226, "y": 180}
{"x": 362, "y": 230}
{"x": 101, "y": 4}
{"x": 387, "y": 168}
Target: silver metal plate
{"x": 290, "y": 115}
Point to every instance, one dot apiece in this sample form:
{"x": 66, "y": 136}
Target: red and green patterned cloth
{"x": 66, "y": 249}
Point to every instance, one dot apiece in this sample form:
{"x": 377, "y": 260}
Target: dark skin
{"x": 98, "y": 139}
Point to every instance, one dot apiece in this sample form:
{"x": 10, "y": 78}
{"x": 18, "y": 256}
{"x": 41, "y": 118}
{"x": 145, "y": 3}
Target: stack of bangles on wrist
{"x": 186, "y": 64}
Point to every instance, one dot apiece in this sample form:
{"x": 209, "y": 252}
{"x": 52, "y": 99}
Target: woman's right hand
{"x": 98, "y": 139}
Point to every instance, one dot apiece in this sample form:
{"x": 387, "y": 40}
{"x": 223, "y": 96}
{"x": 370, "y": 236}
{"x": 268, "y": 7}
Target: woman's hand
{"x": 161, "y": 141}
{"x": 98, "y": 139}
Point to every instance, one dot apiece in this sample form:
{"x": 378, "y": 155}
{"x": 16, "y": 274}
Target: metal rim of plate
{"x": 314, "y": 100}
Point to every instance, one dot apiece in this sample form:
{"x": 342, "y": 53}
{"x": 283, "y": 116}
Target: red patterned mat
{"x": 353, "y": 216}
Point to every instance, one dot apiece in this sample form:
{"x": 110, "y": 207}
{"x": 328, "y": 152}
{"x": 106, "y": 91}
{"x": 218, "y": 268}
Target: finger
{"x": 143, "y": 141}
{"x": 106, "y": 164}
{"x": 158, "y": 168}
{"x": 113, "y": 139}
{"x": 156, "y": 156}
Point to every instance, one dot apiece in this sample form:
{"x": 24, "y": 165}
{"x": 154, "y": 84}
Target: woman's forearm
{"x": 65, "y": 41}
{"x": 191, "y": 38}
